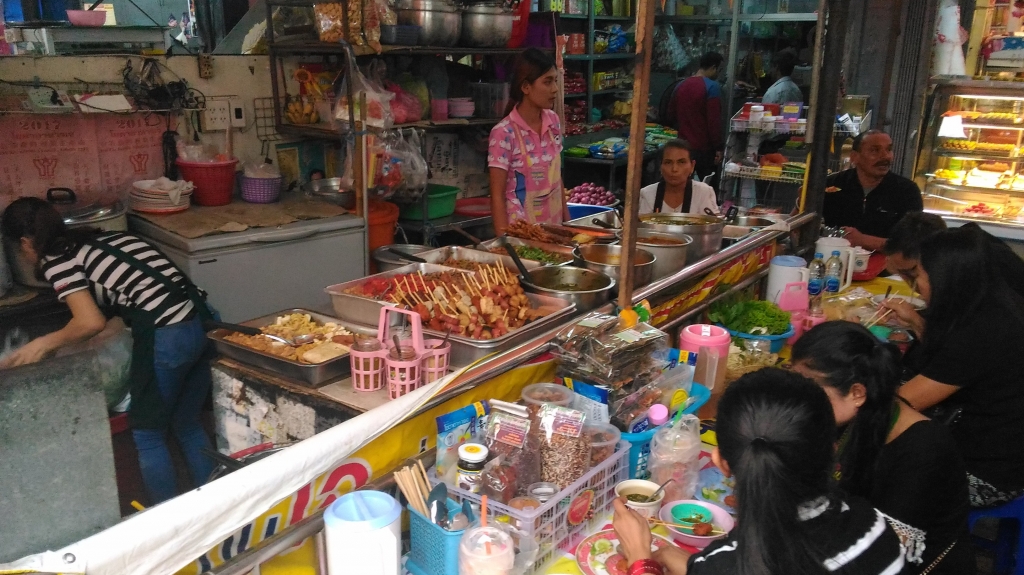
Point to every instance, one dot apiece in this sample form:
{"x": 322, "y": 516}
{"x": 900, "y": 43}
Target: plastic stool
{"x": 1007, "y": 551}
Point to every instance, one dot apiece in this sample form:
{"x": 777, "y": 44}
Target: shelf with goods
{"x": 970, "y": 164}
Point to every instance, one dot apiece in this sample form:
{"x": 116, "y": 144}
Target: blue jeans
{"x": 184, "y": 382}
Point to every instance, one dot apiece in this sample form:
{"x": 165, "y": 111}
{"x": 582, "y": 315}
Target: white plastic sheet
{"x": 165, "y": 538}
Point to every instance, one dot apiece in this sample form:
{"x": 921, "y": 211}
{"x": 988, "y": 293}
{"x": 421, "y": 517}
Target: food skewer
{"x": 687, "y": 526}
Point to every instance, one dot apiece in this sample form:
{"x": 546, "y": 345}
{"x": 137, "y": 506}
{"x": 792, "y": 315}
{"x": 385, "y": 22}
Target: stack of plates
{"x": 461, "y": 107}
{"x": 160, "y": 196}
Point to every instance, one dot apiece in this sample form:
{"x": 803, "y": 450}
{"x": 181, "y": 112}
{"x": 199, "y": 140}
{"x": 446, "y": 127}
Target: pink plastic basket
{"x": 260, "y": 190}
{"x": 435, "y": 361}
{"x": 367, "y": 369}
{"x": 402, "y": 375}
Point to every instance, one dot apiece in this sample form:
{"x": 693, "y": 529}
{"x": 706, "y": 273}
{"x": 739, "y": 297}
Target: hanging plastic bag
{"x": 378, "y": 100}
{"x": 675, "y": 450}
{"x": 412, "y": 181}
{"x": 405, "y": 108}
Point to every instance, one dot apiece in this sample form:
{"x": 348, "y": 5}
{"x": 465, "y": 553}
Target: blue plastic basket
{"x": 640, "y": 443}
{"x": 583, "y": 210}
{"x": 435, "y": 551}
{"x": 777, "y": 341}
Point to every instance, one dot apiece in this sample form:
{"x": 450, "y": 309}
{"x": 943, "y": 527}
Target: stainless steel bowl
{"x": 705, "y": 231}
{"x": 595, "y": 288}
{"x": 387, "y": 261}
{"x": 486, "y": 26}
{"x": 670, "y": 259}
{"x": 330, "y": 190}
{"x": 605, "y": 259}
{"x": 440, "y": 22}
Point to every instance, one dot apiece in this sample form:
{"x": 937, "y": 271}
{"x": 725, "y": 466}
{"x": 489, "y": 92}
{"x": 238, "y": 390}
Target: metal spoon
{"x": 445, "y": 340}
{"x": 654, "y": 496}
{"x": 247, "y": 330}
{"x": 299, "y": 340}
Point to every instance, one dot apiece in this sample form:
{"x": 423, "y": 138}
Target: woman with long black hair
{"x": 906, "y": 465}
{"x": 971, "y": 343}
{"x": 168, "y": 381}
{"x": 524, "y": 156}
{"x": 776, "y": 434}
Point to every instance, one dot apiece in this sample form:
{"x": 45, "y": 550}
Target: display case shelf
{"x": 968, "y": 155}
{"x": 748, "y": 173}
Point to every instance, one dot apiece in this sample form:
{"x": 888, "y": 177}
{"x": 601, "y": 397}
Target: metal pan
{"x": 467, "y": 350}
{"x": 441, "y": 255}
{"x": 610, "y": 217}
{"x": 364, "y": 310}
{"x": 553, "y": 248}
{"x": 312, "y": 374}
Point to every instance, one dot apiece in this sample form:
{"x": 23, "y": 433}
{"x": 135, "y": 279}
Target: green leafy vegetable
{"x": 750, "y": 316}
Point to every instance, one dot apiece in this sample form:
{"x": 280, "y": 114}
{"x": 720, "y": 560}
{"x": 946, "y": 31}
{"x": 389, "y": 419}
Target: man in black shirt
{"x": 867, "y": 200}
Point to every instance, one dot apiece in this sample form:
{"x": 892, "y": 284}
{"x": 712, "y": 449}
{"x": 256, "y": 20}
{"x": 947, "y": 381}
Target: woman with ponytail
{"x": 902, "y": 462}
{"x": 776, "y": 435}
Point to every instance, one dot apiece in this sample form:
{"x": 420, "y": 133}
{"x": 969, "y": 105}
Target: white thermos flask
{"x": 362, "y": 532}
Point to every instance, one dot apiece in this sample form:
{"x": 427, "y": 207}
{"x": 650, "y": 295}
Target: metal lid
{"x": 486, "y": 8}
{"x": 75, "y": 214}
{"x": 432, "y": 5}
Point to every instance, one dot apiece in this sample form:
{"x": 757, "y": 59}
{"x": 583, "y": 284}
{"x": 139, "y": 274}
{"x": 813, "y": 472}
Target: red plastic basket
{"x": 214, "y": 181}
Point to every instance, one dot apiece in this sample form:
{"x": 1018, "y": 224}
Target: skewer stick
{"x": 423, "y": 471}
{"x": 483, "y": 273}
{"x": 879, "y": 320}
{"x": 683, "y": 526}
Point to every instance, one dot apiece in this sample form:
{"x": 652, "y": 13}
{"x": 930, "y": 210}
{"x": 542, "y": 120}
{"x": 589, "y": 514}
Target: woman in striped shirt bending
{"x": 775, "y": 434}
{"x": 129, "y": 276}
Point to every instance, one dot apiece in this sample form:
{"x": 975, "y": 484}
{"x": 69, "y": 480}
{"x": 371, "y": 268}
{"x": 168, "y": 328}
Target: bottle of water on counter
{"x": 833, "y": 273}
{"x": 816, "y": 281}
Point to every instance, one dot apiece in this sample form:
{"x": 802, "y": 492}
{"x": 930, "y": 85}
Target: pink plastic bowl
{"x": 91, "y": 18}
{"x": 719, "y": 517}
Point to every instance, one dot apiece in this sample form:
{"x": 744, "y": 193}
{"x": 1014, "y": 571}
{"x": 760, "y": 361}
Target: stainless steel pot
{"x": 439, "y": 21}
{"x": 595, "y": 288}
{"x": 486, "y": 26}
{"x": 605, "y": 259}
{"x": 705, "y": 231}
{"x": 330, "y": 190}
{"x": 387, "y": 261}
{"x": 670, "y": 258}
{"x": 750, "y": 222}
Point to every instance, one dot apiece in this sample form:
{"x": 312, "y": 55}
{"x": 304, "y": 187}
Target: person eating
{"x": 776, "y": 434}
{"x": 868, "y": 199}
{"x": 969, "y": 343}
{"x": 525, "y": 149}
{"x": 903, "y": 463}
{"x": 169, "y": 380}
{"x": 677, "y": 192}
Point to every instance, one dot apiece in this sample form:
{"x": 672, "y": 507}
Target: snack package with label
{"x": 564, "y": 448}
{"x": 515, "y": 463}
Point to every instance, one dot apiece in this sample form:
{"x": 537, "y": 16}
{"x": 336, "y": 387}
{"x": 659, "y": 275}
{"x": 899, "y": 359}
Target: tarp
{"x": 165, "y": 538}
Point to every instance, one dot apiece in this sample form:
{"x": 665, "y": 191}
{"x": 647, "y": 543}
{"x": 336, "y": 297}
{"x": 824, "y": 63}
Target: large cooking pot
{"x": 670, "y": 258}
{"x": 439, "y": 21}
{"x": 486, "y": 26}
{"x": 112, "y": 217}
{"x": 705, "y": 231}
{"x": 387, "y": 260}
{"x": 591, "y": 289}
{"x": 606, "y": 259}
{"x": 330, "y": 190}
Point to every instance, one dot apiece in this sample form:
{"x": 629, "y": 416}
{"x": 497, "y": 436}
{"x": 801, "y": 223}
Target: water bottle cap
{"x": 835, "y": 253}
{"x": 818, "y": 256}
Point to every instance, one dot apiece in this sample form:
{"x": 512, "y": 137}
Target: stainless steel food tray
{"x": 466, "y": 350}
{"x": 313, "y": 374}
{"x": 610, "y": 217}
{"x": 555, "y": 248}
{"x": 440, "y": 255}
{"x": 366, "y": 311}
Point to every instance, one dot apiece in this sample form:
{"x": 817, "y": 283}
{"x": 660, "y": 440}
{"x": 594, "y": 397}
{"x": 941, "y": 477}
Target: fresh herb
{"x": 750, "y": 316}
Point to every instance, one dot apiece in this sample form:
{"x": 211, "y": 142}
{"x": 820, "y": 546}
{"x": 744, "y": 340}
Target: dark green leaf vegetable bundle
{"x": 750, "y": 316}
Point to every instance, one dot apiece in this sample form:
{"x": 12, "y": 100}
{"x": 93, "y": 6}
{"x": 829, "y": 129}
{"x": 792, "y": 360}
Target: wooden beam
{"x": 635, "y": 166}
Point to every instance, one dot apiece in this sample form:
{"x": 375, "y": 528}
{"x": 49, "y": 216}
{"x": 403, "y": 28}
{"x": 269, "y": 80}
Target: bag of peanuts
{"x": 330, "y": 21}
{"x": 564, "y": 448}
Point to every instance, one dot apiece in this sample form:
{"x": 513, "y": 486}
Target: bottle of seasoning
{"x": 471, "y": 464}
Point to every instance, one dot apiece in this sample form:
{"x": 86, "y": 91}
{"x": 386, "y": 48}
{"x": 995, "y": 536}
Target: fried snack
{"x": 294, "y": 325}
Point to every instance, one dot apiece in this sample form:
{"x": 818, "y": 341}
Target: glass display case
{"x": 970, "y": 165}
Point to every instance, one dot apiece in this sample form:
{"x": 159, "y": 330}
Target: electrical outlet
{"x": 216, "y": 116}
{"x": 237, "y": 114}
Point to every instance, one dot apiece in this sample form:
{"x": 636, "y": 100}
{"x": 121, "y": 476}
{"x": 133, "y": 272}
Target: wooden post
{"x": 634, "y": 168}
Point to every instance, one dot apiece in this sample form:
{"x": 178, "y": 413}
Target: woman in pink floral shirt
{"x": 524, "y": 156}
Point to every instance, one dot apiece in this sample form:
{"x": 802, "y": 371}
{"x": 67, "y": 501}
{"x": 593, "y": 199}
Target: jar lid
{"x": 472, "y": 452}
{"x": 542, "y": 491}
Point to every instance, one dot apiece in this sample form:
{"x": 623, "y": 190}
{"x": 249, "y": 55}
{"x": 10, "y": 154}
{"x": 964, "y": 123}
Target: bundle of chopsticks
{"x": 875, "y": 318}
{"x": 415, "y": 486}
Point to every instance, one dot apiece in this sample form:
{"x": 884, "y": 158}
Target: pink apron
{"x": 537, "y": 196}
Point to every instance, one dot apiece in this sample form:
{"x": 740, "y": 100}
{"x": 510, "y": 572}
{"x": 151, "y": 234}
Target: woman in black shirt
{"x": 902, "y": 462}
{"x": 775, "y": 433}
{"x": 971, "y": 343}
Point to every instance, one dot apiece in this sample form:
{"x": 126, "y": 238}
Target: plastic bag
{"x": 371, "y": 22}
{"x": 675, "y": 450}
{"x": 405, "y": 107}
{"x": 330, "y": 21}
{"x": 564, "y": 448}
{"x": 516, "y": 463}
{"x": 378, "y": 100}
{"x": 412, "y": 177}
{"x": 261, "y": 169}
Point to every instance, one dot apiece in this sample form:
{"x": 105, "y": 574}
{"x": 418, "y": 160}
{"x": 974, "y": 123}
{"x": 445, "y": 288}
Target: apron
{"x": 148, "y": 410}
{"x": 541, "y": 200}
{"x": 659, "y": 197}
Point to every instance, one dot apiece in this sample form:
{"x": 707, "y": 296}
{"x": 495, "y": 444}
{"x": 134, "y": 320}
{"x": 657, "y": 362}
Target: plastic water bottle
{"x": 833, "y": 273}
{"x": 816, "y": 281}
